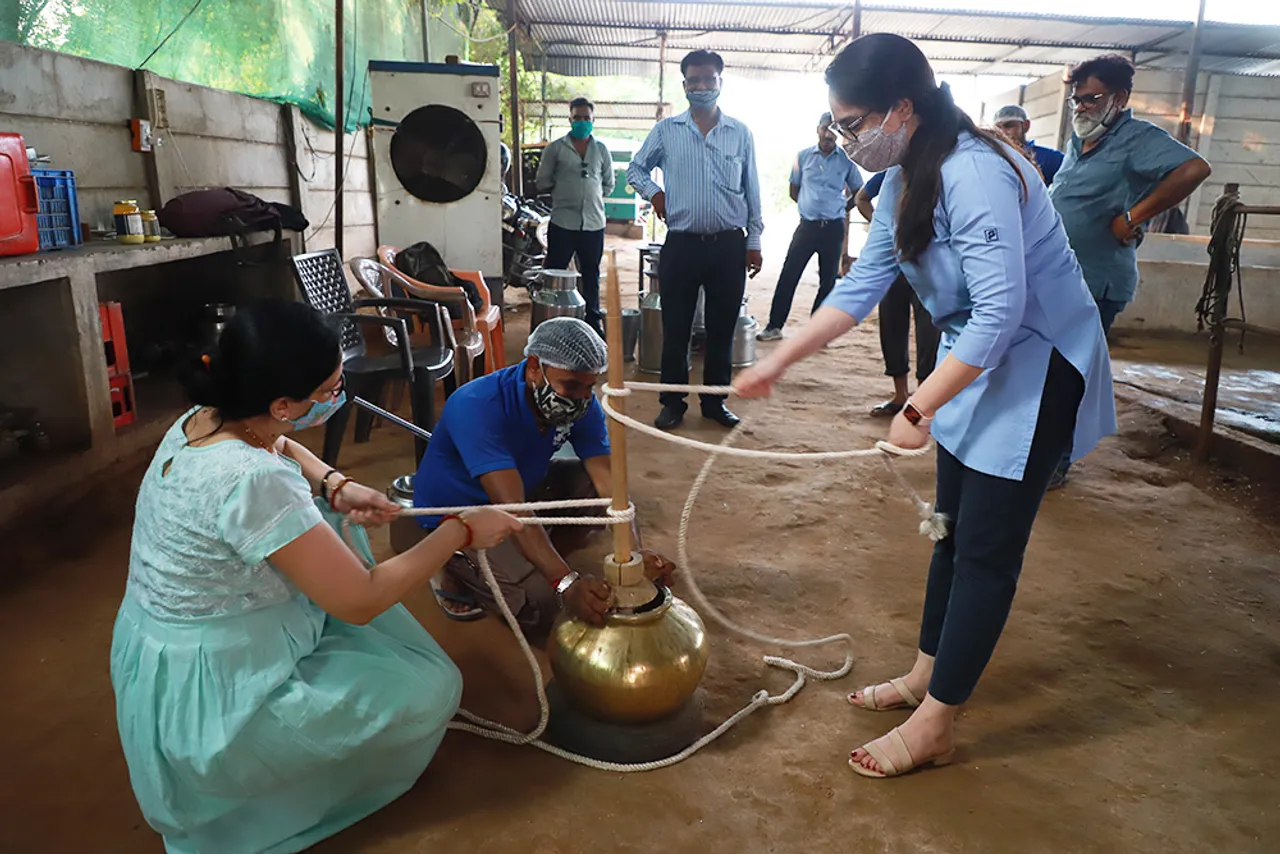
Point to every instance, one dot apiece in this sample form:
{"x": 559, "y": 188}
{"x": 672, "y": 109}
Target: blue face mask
{"x": 703, "y": 97}
{"x": 320, "y": 412}
{"x": 581, "y": 129}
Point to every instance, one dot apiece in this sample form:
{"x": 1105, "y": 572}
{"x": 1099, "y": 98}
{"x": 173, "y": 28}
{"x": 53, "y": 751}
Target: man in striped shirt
{"x": 711, "y": 194}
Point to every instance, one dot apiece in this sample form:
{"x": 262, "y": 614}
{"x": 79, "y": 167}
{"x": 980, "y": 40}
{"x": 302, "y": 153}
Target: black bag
{"x": 422, "y": 262}
{"x": 226, "y": 211}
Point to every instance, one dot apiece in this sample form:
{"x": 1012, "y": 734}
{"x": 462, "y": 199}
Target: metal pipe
{"x": 544, "y": 96}
{"x": 662, "y": 75}
{"x": 339, "y": 121}
{"x": 394, "y": 419}
{"x": 1190, "y": 77}
{"x": 1217, "y": 342}
{"x": 857, "y": 18}
{"x": 513, "y": 67}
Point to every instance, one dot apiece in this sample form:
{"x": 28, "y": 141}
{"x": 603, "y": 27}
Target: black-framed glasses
{"x": 333, "y": 393}
{"x": 846, "y": 129}
{"x": 1086, "y": 100}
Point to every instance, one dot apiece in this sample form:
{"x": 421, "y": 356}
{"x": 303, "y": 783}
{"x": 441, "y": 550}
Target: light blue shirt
{"x": 1091, "y": 189}
{"x": 1003, "y": 286}
{"x": 822, "y": 179}
{"x": 710, "y": 182}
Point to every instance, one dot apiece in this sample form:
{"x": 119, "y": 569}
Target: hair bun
{"x": 201, "y": 377}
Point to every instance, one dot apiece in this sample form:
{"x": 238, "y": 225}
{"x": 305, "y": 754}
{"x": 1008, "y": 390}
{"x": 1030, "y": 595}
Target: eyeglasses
{"x": 847, "y": 128}
{"x": 333, "y": 393}
{"x": 1086, "y": 100}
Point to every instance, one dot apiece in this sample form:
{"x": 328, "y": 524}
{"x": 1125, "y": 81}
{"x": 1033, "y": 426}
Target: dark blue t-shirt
{"x": 488, "y": 425}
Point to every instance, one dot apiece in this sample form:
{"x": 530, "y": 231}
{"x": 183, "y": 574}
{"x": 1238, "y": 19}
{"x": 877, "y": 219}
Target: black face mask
{"x": 554, "y": 407}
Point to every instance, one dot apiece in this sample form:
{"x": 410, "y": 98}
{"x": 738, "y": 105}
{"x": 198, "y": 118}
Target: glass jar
{"x": 128, "y": 221}
{"x": 150, "y": 227}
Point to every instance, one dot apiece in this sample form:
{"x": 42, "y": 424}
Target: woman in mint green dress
{"x": 270, "y": 690}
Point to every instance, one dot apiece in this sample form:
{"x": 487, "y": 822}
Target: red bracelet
{"x": 333, "y": 496}
{"x": 471, "y": 535}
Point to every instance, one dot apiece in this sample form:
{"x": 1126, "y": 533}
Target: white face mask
{"x": 1091, "y": 125}
{"x": 876, "y": 150}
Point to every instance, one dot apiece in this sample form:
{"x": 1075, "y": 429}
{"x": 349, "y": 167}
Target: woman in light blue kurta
{"x": 1022, "y": 371}
{"x": 269, "y": 690}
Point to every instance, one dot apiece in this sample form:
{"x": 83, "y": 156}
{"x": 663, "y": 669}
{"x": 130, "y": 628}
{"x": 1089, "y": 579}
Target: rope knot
{"x": 610, "y": 391}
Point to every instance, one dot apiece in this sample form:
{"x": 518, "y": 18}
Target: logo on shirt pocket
{"x": 992, "y": 235}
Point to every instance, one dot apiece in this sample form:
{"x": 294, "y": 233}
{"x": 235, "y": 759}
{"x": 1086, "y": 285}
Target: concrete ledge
{"x": 1231, "y": 448}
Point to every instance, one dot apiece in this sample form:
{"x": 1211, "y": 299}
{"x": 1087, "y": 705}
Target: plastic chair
{"x": 324, "y": 287}
{"x": 472, "y": 338}
{"x": 489, "y": 322}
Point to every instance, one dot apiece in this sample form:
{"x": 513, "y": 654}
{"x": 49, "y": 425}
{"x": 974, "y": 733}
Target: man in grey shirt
{"x": 577, "y": 170}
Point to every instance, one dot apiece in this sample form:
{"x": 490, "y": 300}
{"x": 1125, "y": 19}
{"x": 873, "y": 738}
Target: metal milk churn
{"x": 555, "y": 294}
{"x": 651, "y": 316}
{"x": 744, "y": 339}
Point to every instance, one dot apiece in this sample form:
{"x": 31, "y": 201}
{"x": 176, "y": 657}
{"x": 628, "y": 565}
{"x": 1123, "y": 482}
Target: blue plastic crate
{"x": 59, "y": 217}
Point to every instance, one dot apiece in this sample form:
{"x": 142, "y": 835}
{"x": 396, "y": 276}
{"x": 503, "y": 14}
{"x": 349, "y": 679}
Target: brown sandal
{"x": 900, "y": 763}
{"x": 906, "y": 700}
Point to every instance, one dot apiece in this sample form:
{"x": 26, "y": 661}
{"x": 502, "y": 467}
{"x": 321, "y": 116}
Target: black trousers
{"x": 895, "y": 332}
{"x": 826, "y": 238}
{"x": 563, "y": 244}
{"x": 716, "y": 263}
{"x": 974, "y": 571}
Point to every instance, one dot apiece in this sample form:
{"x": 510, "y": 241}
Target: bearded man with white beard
{"x": 1119, "y": 173}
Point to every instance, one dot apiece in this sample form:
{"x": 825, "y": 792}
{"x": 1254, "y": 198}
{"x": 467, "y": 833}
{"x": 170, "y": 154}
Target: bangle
{"x": 333, "y": 496}
{"x": 324, "y": 483}
{"x": 471, "y": 535}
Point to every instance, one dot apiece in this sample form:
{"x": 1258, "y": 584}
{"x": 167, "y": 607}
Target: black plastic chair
{"x": 324, "y": 288}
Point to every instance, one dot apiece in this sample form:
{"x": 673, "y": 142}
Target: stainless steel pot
{"x": 555, "y": 294}
{"x": 630, "y": 333}
{"x": 744, "y": 339}
{"x": 214, "y": 317}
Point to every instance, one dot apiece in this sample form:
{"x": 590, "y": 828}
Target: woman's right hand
{"x": 758, "y": 381}
{"x": 490, "y": 527}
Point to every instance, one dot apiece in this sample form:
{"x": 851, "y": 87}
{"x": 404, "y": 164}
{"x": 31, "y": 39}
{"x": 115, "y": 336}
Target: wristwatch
{"x": 563, "y": 586}
{"x": 914, "y": 416}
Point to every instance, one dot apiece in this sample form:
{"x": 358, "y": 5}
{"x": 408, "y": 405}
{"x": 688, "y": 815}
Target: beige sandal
{"x": 906, "y": 700}
{"x": 897, "y": 765}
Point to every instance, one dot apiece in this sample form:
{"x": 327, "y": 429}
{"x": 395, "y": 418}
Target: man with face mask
{"x": 1119, "y": 173}
{"x": 710, "y": 194}
{"x": 1013, "y": 122}
{"x": 824, "y": 182}
{"x": 495, "y": 443}
{"x": 577, "y": 170}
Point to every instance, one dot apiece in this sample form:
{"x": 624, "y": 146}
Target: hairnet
{"x": 1010, "y": 113}
{"x": 569, "y": 344}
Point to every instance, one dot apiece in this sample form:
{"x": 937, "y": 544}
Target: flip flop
{"x": 898, "y": 764}
{"x": 888, "y": 409}
{"x": 473, "y": 610}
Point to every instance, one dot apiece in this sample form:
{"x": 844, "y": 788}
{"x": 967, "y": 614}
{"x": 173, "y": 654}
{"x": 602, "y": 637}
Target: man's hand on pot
{"x": 657, "y": 567}
{"x": 589, "y": 599}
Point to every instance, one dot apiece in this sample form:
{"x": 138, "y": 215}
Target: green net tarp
{"x": 282, "y": 50}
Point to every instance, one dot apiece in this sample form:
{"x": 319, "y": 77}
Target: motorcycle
{"x": 524, "y": 238}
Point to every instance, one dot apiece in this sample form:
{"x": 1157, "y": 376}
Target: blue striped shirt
{"x": 711, "y": 182}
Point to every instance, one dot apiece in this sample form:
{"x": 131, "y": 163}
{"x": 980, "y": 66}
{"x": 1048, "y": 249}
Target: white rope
{"x": 477, "y": 725}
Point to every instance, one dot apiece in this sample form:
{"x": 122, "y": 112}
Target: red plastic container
{"x": 19, "y": 203}
{"x": 113, "y": 340}
{"x": 122, "y": 408}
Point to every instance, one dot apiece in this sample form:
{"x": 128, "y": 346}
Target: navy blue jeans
{"x": 1108, "y": 310}
{"x": 824, "y": 237}
{"x": 563, "y": 244}
{"x": 974, "y": 571}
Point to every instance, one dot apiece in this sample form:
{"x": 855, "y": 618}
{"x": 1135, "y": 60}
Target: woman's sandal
{"x": 900, "y": 763}
{"x": 888, "y": 409}
{"x": 469, "y": 608}
{"x": 906, "y": 700}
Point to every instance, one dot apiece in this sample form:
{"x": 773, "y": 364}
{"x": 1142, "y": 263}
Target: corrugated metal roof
{"x": 767, "y": 37}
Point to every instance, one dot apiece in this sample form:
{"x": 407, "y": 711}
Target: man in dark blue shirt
{"x": 1013, "y": 122}
{"x": 495, "y": 443}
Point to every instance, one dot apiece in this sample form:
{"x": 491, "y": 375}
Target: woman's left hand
{"x": 365, "y": 506}
{"x": 905, "y": 435}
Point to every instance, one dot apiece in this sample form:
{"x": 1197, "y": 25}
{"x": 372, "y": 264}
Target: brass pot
{"x": 637, "y": 667}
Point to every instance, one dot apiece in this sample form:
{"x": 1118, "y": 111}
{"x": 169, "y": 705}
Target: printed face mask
{"x": 320, "y": 412}
{"x": 876, "y": 150}
{"x": 558, "y": 410}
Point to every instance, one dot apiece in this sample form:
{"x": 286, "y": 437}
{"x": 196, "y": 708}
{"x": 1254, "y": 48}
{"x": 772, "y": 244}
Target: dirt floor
{"x": 1127, "y": 709}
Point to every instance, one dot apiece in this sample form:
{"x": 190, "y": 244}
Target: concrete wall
{"x": 1173, "y": 270}
{"x": 77, "y": 111}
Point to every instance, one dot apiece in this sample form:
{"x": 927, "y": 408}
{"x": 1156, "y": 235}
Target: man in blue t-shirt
{"x": 495, "y": 443}
{"x": 823, "y": 183}
{"x": 1014, "y": 123}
